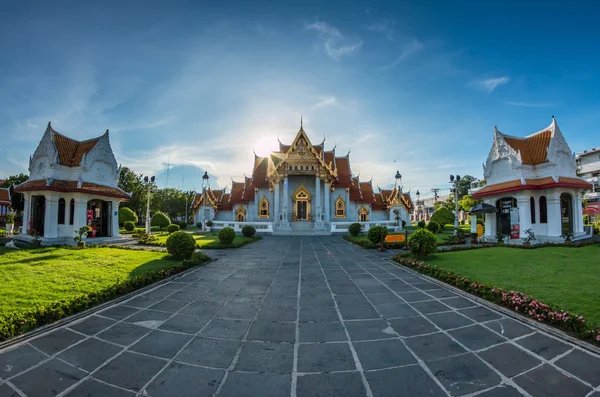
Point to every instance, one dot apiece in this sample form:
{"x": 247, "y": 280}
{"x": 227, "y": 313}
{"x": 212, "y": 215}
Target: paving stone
{"x": 547, "y": 381}
{"x": 48, "y": 379}
{"x": 345, "y": 290}
{"x": 412, "y": 326}
{"x": 272, "y": 331}
{"x": 383, "y": 354}
{"x": 449, "y": 320}
{"x": 216, "y": 353}
{"x": 186, "y": 323}
{"x": 130, "y": 371}
{"x": 92, "y": 325}
{"x": 415, "y": 296}
{"x": 7, "y": 391}
{"x": 351, "y": 300}
{"x": 584, "y": 366}
{"x": 442, "y": 293}
{"x": 347, "y": 384}
{"x": 430, "y": 307}
{"x": 426, "y": 286}
{"x": 374, "y": 289}
{"x": 476, "y": 337}
{"x": 458, "y": 302}
{"x": 201, "y": 308}
{"x": 369, "y": 330}
{"x": 241, "y": 384}
{"x": 142, "y": 302}
{"x": 283, "y": 301}
{"x": 264, "y": 357}
{"x": 159, "y": 293}
{"x": 395, "y": 310}
{"x": 325, "y": 357}
{"x": 228, "y": 329}
{"x": 148, "y": 318}
{"x": 238, "y": 312}
{"x": 321, "y": 332}
{"x": 316, "y": 300}
{"x": 406, "y": 381}
{"x": 501, "y": 391}
{"x": 123, "y": 333}
{"x": 383, "y": 298}
{"x": 19, "y": 359}
{"x": 543, "y": 345}
{"x": 186, "y": 295}
{"x": 434, "y": 346}
{"x": 480, "y": 314}
{"x": 281, "y": 313}
{"x": 56, "y": 341}
{"x": 118, "y": 312}
{"x": 169, "y": 306}
{"x": 161, "y": 344}
{"x": 365, "y": 312}
{"x": 509, "y": 328}
{"x": 319, "y": 313}
{"x": 185, "y": 381}
{"x": 509, "y": 359}
{"x": 93, "y": 388}
{"x": 463, "y": 374}
{"x": 90, "y": 354}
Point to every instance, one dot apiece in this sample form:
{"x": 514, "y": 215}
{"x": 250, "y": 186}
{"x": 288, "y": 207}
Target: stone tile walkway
{"x": 298, "y": 316}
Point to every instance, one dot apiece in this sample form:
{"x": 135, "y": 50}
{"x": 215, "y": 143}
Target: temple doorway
{"x": 301, "y": 204}
{"x": 98, "y": 218}
{"x": 566, "y": 213}
{"x": 504, "y": 206}
{"x": 38, "y": 213}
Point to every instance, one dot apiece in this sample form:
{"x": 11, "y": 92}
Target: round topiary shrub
{"x": 209, "y": 223}
{"x": 199, "y": 224}
{"x": 443, "y": 216}
{"x": 421, "y": 224}
{"x": 182, "y": 225}
{"x": 172, "y": 228}
{"x": 226, "y": 235}
{"x": 248, "y": 231}
{"x": 433, "y": 227}
{"x": 160, "y": 220}
{"x": 375, "y": 234}
{"x": 354, "y": 229}
{"x": 422, "y": 243}
{"x": 129, "y": 226}
{"x": 181, "y": 244}
{"x": 127, "y": 215}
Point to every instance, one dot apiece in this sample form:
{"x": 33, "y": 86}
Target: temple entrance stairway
{"x": 302, "y": 228}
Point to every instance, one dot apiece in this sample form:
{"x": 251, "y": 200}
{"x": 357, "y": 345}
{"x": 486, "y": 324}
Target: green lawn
{"x": 209, "y": 240}
{"x": 32, "y": 277}
{"x": 563, "y": 277}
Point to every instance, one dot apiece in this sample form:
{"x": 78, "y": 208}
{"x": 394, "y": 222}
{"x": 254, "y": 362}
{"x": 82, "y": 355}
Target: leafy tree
{"x": 131, "y": 182}
{"x": 16, "y": 198}
{"x": 448, "y": 203}
{"x": 172, "y": 201}
{"x": 127, "y": 215}
{"x": 443, "y": 216}
{"x": 467, "y": 202}
{"x": 464, "y": 185}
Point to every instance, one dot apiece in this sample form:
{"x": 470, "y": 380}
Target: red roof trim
{"x": 582, "y": 185}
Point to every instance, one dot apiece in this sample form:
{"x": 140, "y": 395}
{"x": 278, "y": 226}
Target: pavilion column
{"x": 80, "y": 212}
{"x": 554, "y": 215}
{"x": 474, "y": 224}
{"x": 524, "y": 214}
{"x": 490, "y": 227}
{"x": 276, "y": 204}
{"x": 51, "y": 217}
{"x": 114, "y": 226}
{"x": 578, "y": 213}
{"x": 317, "y": 207}
{"x": 286, "y": 198}
{"x": 26, "y": 212}
{"x": 327, "y": 203}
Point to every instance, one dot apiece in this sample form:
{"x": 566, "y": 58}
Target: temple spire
{"x": 301, "y": 127}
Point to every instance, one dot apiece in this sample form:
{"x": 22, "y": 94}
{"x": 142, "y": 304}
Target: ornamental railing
{"x": 341, "y": 227}
{"x": 261, "y": 227}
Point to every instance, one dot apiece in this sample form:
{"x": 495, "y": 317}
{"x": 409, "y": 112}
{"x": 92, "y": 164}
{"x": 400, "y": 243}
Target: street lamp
{"x": 419, "y": 205}
{"x": 149, "y": 183}
{"x": 454, "y": 181}
{"x": 204, "y": 188}
{"x": 398, "y": 179}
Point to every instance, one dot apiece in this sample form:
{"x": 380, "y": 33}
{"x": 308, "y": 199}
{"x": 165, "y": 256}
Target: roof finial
{"x": 552, "y": 116}
{"x": 301, "y": 127}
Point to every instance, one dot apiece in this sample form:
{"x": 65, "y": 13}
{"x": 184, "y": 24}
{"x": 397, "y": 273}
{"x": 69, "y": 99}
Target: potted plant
{"x": 83, "y": 231}
{"x": 37, "y": 242}
{"x": 568, "y": 238}
{"x": 500, "y": 238}
{"x": 10, "y": 224}
{"x": 530, "y": 236}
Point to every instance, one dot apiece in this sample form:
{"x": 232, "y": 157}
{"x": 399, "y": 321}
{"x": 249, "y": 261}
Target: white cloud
{"x": 490, "y": 84}
{"x": 384, "y": 27}
{"x": 411, "y": 48}
{"x": 325, "y": 102}
{"x": 528, "y": 104}
{"x": 335, "y": 44}
{"x": 446, "y": 166}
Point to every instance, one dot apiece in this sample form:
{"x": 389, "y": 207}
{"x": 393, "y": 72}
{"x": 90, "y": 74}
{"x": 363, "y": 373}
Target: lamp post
{"x": 419, "y": 205}
{"x": 149, "y": 183}
{"x": 454, "y": 181}
{"x": 398, "y": 179}
{"x": 204, "y": 188}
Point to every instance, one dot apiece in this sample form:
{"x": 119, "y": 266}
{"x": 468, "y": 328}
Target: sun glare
{"x": 265, "y": 145}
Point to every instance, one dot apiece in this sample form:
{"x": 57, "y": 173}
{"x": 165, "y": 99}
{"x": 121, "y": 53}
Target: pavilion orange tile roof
{"x": 367, "y": 192}
{"x": 59, "y": 185}
{"x": 5, "y": 196}
{"x": 70, "y": 151}
{"x": 531, "y": 184}
{"x": 379, "y": 203}
{"x": 533, "y": 149}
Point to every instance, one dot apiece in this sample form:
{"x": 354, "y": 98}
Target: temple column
{"x": 554, "y": 215}
{"x": 115, "y": 219}
{"x": 474, "y": 224}
{"x": 51, "y": 217}
{"x": 327, "y": 203}
{"x": 276, "y": 204}
{"x": 524, "y": 214}
{"x": 578, "y": 213}
{"x": 317, "y": 218}
{"x": 80, "y": 212}
{"x": 285, "y": 224}
{"x": 490, "y": 228}
{"x": 26, "y": 213}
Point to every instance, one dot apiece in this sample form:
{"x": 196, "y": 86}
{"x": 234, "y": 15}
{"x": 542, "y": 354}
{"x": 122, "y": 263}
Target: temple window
{"x": 543, "y": 210}
{"x": 532, "y": 209}
{"x": 340, "y": 208}
{"x": 72, "y": 211}
{"x": 240, "y": 214}
{"x": 263, "y": 208}
{"x": 363, "y": 214}
{"x": 61, "y": 211}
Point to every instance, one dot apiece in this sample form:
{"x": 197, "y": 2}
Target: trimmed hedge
{"x": 18, "y": 323}
{"x": 433, "y": 227}
{"x": 248, "y": 231}
{"x": 443, "y": 216}
{"x": 422, "y": 242}
{"x": 375, "y": 234}
{"x": 226, "y": 235}
{"x": 160, "y": 220}
{"x": 129, "y": 226}
{"x": 516, "y": 301}
{"x": 354, "y": 229}
{"x": 421, "y": 224}
{"x": 172, "y": 228}
{"x": 126, "y": 214}
{"x": 181, "y": 244}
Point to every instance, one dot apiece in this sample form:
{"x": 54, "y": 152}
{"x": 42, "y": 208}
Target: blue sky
{"x": 414, "y": 85}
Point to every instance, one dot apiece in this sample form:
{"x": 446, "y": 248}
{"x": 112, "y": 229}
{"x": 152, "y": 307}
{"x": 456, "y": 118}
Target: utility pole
{"x": 149, "y": 183}
{"x": 454, "y": 181}
{"x": 435, "y": 191}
